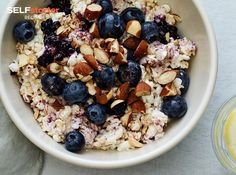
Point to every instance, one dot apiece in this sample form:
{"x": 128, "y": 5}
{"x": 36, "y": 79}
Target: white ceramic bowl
{"x": 203, "y": 72}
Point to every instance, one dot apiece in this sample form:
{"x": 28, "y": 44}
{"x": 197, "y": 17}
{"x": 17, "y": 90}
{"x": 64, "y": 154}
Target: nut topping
{"x": 141, "y": 50}
{"x": 138, "y": 107}
{"x": 123, "y": 91}
{"x": 94, "y": 30}
{"x": 101, "y": 56}
{"x": 142, "y": 89}
{"x": 86, "y": 49}
{"x": 167, "y": 77}
{"x": 134, "y": 28}
{"x": 93, "y": 11}
{"x": 92, "y": 61}
{"x": 83, "y": 69}
{"x": 169, "y": 90}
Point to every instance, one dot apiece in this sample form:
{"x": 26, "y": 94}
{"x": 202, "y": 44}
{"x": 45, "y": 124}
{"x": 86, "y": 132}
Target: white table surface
{"x": 194, "y": 155}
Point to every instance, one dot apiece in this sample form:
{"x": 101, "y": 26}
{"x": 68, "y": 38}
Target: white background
{"x": 194, "y": 155}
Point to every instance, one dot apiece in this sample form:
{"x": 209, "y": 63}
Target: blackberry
{"x": 66, "y": 47}
{"x": 59, "y": 56}
{"x": 63, "y": 5}
{"x": 49, "y": 26}
{"x": 164, "y": 28}
{"x": 45, "y": 59}
{"x": 51, "y": 39}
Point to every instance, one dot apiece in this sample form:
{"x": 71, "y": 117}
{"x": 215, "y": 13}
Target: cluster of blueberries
{"x": 111, "y": 25}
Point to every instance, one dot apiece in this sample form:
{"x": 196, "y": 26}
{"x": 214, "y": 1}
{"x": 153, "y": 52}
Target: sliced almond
{"x": 126, "y": 118}
{"x": 138, "y": 107}
{"x": 75, "y": 43}
{"x": 93, "y": 11}
{"x": 101, "y": 56}
{"x": 132, "y": 43}
{"x": 94, "y": 31}
{"x": 123, "y": 91}
{"x": 63, "y": 32}
{"x": 86, "y": 49}
{"x": 91, "y": 60}
{"x": 54, "y": 68}
{"x": 142, "y": 89}
{"x": 122, "y": 49}
{"x": 120, "y": 59}
{"x": 133, "y": 27}
{"x": 169, "y": 90}
{"x": 167, "y": 77}
{"x": 101, "y": 98}
{"x": 83, "y": 69}
{"x": 57, "y": 105}
{"x": 86, "y": 78}
{"x": 134, "y": 143}
{"x": 132, "y": 97}
{"x": 141, "y": 50}
{"x": 110, "y": 95}
{"x": 115, "y": 103}
{"x": 108, "y": 40}
{"x": 113, "y": 47}
{"x": 91, "y": 87}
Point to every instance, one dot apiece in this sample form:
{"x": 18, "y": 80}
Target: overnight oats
{"x": 105, "y": 74}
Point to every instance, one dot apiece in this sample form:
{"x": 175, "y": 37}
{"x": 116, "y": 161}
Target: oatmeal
{"x": 103, "y": 75}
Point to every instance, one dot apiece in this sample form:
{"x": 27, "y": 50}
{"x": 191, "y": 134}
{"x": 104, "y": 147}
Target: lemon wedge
{"x": 230, "y": 134}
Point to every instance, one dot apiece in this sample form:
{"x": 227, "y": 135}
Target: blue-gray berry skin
{"x": 130, "y": 72}
{"x": 104, "y": 78}
{"x": 75, "y": 92}
{"x": 74, "y": 141}
{"x": 183, "y": 75}
{"x": 24, "y": 31}
{"x": 96, "y": 113}
{"x": 150, "y": 32}
{"x": 132, "y": 13}
{"x": 52, "y": 84}
{"x": 174, "y": 107}
{"x": 106, "y": 6}
{"x": 111, "y": 25}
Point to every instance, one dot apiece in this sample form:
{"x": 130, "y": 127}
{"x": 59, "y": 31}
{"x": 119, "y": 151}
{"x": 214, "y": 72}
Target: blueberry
{"x": 49, "y": 26}
{"x": 150, "y": 31}
{"x": 174, "y": 107}
{"x": 119, "y": 109}
{"x": 45, "y": 59}
{"x": 105, "y": 78}
{"x": 165, "y": 28}
{"x": 130, "y": 55}
{"x": 75, "y": 92}
{"x": 132, "y": 13}
{"x": 24, "y": 31}
{"x": 52, "y": 84}
{"x": 74, "y": 141}
{"x": 130, "y": 72}
{"x": 96, "y": 113}
{"x": 183, "y": 75}
{"x": 106, "y": 6}
{"x": 111, "y": 26}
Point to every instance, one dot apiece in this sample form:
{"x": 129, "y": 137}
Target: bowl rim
{"x": 131, "y": 161}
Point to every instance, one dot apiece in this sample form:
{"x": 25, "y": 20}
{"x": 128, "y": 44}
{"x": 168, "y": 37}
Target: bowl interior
{"x": 202, "y": 74}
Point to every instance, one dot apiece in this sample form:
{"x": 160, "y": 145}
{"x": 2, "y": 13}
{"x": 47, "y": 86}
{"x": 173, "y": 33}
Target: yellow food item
{"x": 230, "y": 134}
